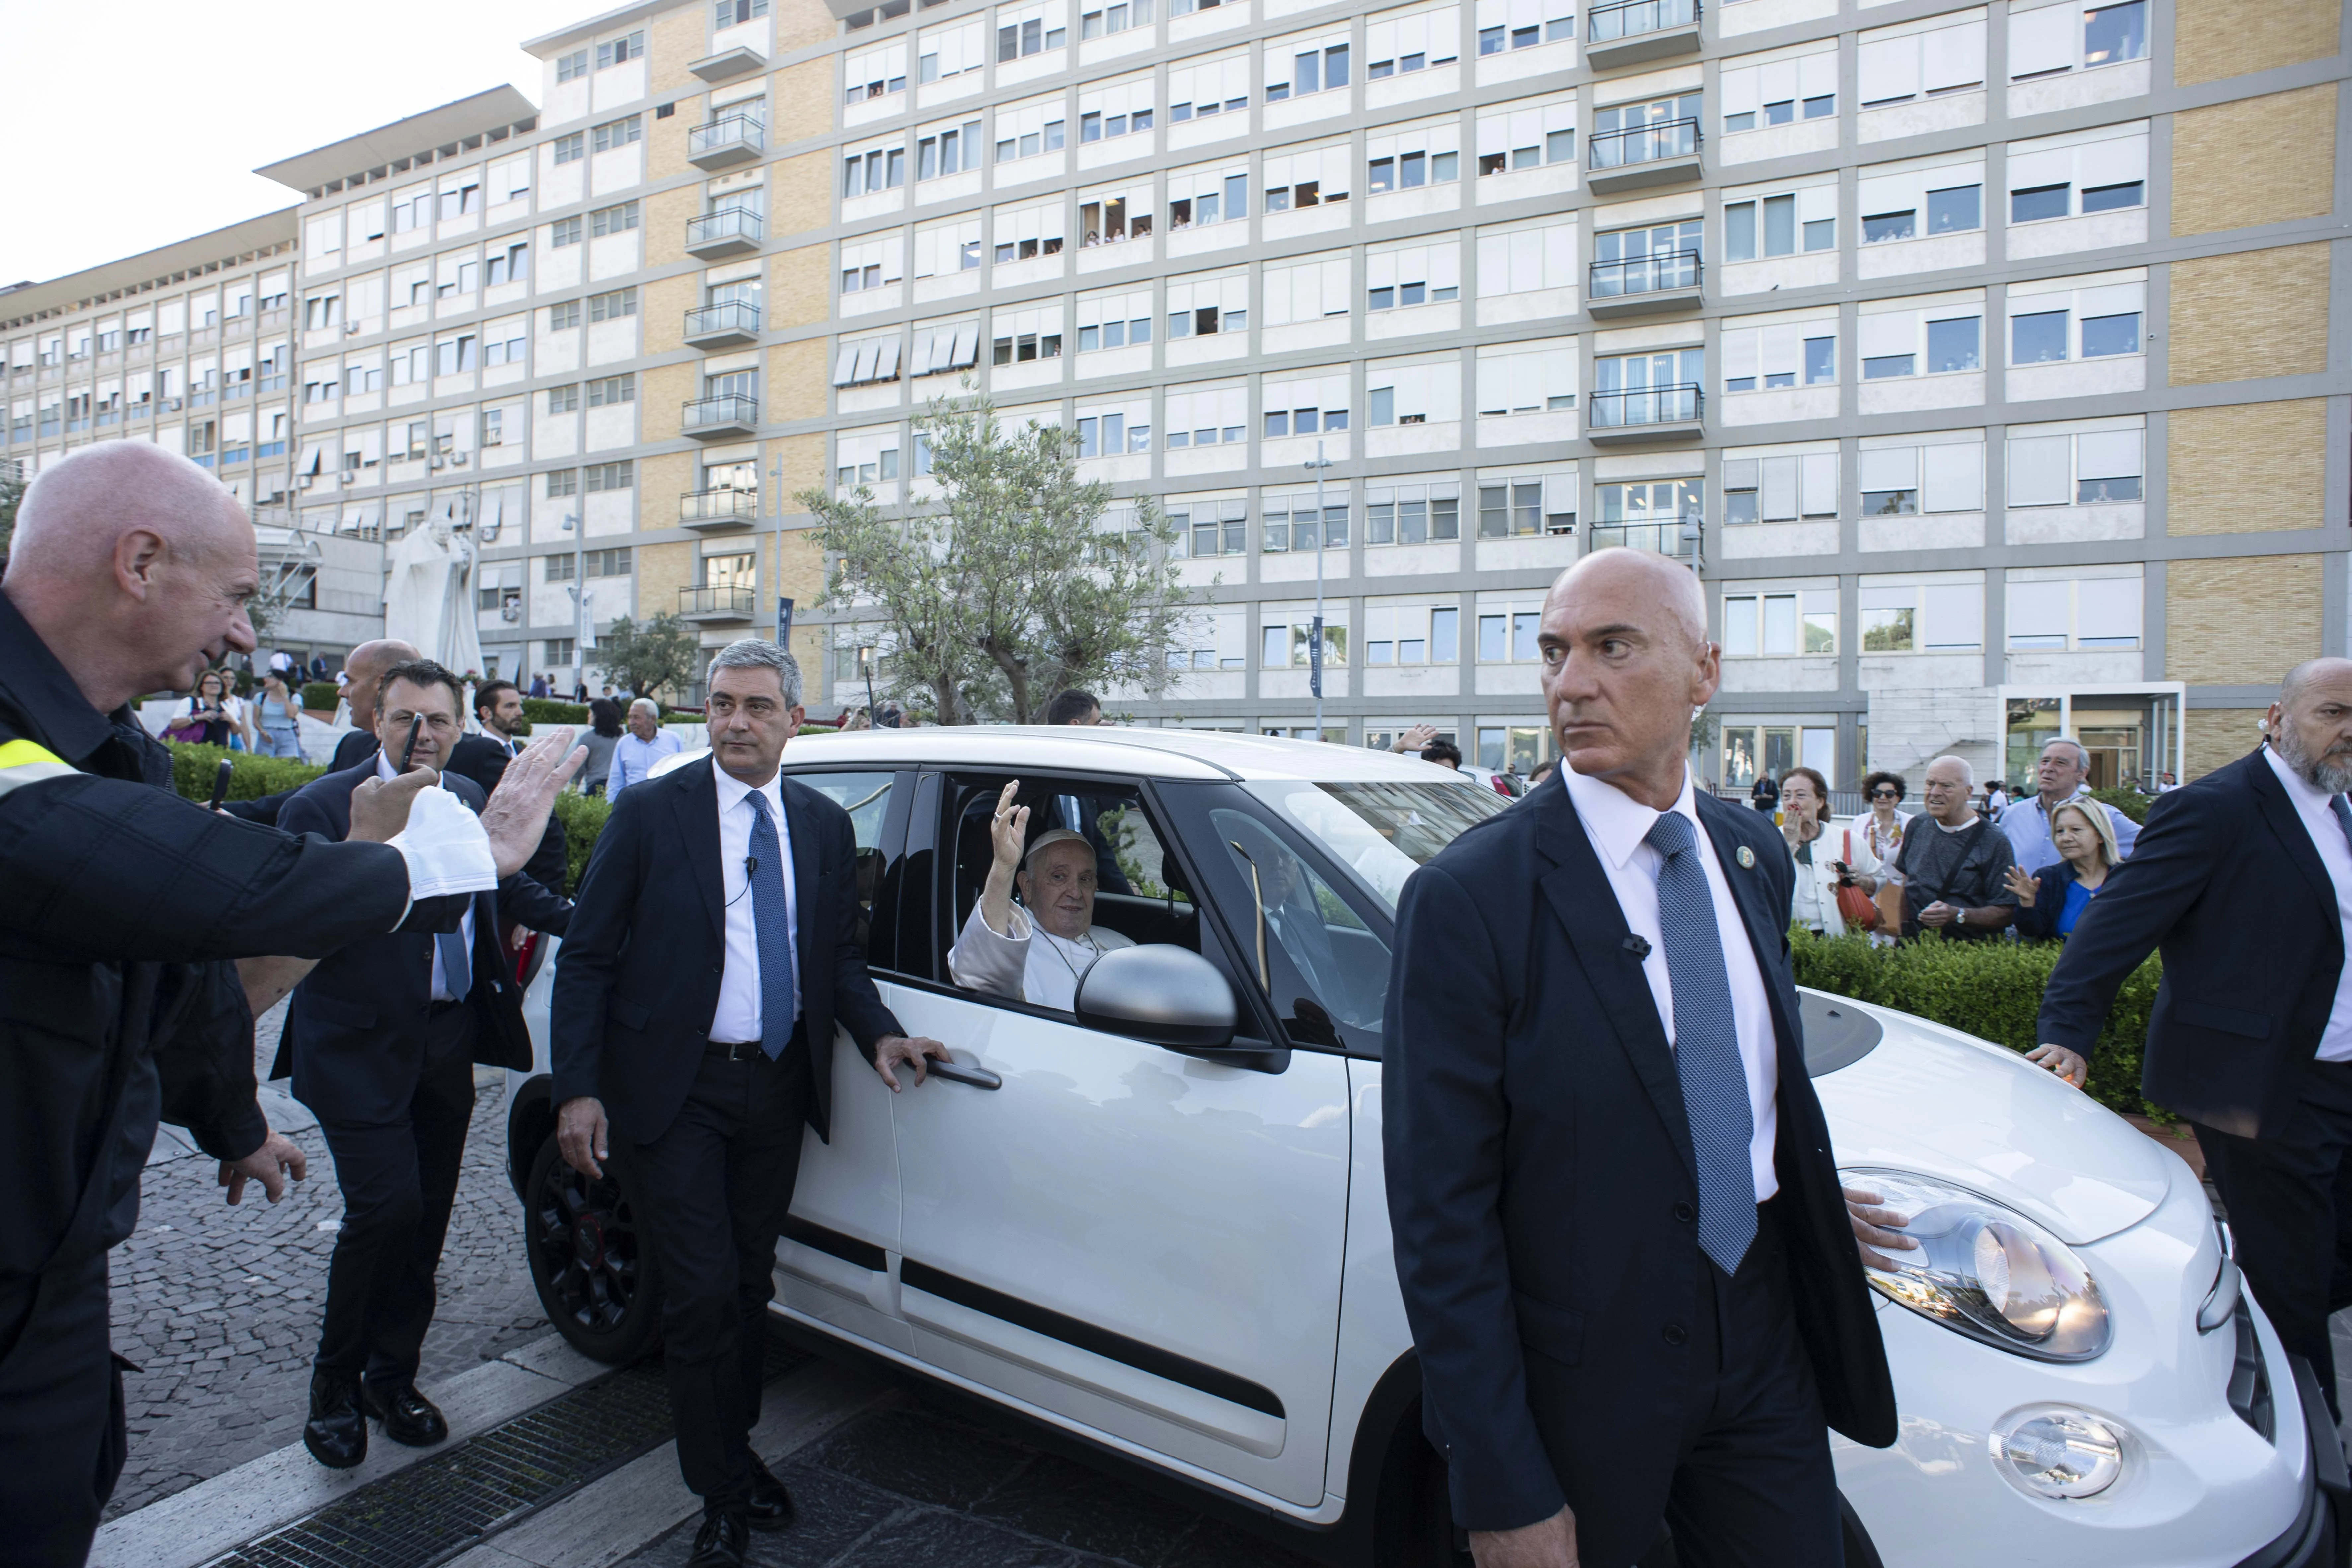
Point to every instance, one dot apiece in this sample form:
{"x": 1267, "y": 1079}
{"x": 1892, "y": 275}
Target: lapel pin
{"x": 1747, "y": 858}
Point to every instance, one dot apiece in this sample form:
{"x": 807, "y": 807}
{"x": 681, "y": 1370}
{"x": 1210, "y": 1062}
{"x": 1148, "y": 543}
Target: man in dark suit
{"x": 2242, "y": 881}
{"x": 381, "y": 1039}
{"x": 483, "y": 758}
{"x": 1630, "y": 1272}
{"x": 712, "y": 952}
{"x": 366, "y": 667}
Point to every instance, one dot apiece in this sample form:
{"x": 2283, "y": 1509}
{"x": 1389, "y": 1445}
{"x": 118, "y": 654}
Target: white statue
{"x": 428, "y": 593}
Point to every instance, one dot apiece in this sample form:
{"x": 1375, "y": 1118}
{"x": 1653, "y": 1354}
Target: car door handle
{"x": 956, "y": 1072}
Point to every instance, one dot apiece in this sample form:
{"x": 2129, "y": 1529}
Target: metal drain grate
{"x": 445, "y": 1505}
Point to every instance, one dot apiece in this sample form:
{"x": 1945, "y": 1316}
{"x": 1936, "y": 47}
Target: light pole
{"x": 584, "y": 625}
{"x": 1315, "y": 646}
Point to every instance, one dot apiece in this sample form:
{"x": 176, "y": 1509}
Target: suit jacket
{"x": 484, "y": 760}
{"x": 2225, "y": 883}
{"x": 1541, "y": 1187}
{"x": 2040, "y": 922}
{"x": 355, "y": 1031}
{"x": 636, "y": 982}
{"x": 352, "y": 750}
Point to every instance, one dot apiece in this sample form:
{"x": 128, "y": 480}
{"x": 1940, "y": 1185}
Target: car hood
{"x": 1934, "y": 1101}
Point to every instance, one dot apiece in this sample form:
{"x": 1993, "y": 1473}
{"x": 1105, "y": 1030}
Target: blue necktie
{"x": 1707, "y": 1046}
{"x": 456, "y": 965}
{"x": 2343, "y": 815}
{"x": 773, "y": 923}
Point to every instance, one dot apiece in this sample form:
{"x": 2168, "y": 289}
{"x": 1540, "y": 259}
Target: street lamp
{"x": 583, "y": 624}
{"x": 1315, "y": 646}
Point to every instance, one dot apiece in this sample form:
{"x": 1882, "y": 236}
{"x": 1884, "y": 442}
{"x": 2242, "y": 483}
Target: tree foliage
{"x": 645, "y": 657}
{"x": 12, "y": 491}
{"x": 1011, "y": 586}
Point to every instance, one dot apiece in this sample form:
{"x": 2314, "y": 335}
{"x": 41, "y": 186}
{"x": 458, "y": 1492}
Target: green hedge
{"x": 192, "y": 768}
{"x": 548, "y": 711}
{"x": 2130, "y": 802}
{"x": 584, "y": 819}
{"x": 1989, "y": 989}
{"x": 320, "y": 696}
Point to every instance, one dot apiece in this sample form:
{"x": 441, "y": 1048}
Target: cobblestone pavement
{"x": 910, "y": 1484}
{"x": 219, "y": 1306}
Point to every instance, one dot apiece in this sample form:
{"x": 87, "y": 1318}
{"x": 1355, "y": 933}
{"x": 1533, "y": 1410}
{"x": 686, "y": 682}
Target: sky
{"x": 132, "y": 125}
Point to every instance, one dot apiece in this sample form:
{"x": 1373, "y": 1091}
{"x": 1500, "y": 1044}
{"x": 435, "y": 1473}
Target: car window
{"x": 866, "y": 798}
{"x": 1325, "y": 968}
{"x": 1382, "y": 832}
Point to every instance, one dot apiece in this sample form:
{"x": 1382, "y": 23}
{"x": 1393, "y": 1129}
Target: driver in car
{"x": 1038, "y": 950}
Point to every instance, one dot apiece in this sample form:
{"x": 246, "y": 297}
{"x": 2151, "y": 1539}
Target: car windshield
{"x": 1382, "y": 831}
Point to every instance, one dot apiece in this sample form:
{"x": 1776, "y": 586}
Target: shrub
{"x": 2130, "y": 802}
{"x": 1989, "y": 989}
{"x": 548, "y": 711}
{"x": 192, "y": 768}
{"x": 320, "y": 696}
{"x": 584, "y": 819}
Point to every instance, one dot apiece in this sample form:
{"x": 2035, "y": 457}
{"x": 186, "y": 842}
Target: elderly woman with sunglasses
{"x": 1869, "y": 845}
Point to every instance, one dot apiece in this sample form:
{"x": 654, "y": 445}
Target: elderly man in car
{"x": 1039, "y": 949}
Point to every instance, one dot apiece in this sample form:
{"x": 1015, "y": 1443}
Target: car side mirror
{"x": 1163, "y": 995}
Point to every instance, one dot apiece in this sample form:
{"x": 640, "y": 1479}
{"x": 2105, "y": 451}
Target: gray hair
{"x": 2082, "y": 752}
{"x": 757, "y": 653}
{"x": 1968, "y": 774}
{"x": 649, "y": 704}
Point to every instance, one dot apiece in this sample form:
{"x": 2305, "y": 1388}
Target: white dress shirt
{"x": 739, "y": 1017}
{"x": 1030, "y": 962}
{"x": 441, "y": 986}
{"x": 2336, "y": 854}
{"x": 1619, "y": 827}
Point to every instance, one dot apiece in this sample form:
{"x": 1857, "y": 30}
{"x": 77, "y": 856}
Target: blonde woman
{"x": 1804, "y": 797}
{"x": 2050, "y": 901}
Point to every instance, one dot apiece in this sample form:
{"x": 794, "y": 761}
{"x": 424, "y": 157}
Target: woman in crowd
{"x": 276, "y": 719}
{"x": 206, "y": 722}
{"x": 1804, "y": 797}
{"x": 604, "y": 734}
{"x": 1870, "y": 846}
{"x": 2050, "y": 902}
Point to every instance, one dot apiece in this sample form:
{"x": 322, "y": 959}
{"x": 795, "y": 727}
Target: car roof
{"x": 1209, "y": 754}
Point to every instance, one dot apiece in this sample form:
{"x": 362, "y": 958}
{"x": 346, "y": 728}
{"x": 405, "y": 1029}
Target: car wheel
{"x": 1414, "y": 1524}
{"x": 590, "y": 1259}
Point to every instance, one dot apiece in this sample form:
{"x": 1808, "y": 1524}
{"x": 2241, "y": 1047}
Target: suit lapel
{"x": 805, "y": 890}
{"x": 2286, "y": 826}
{"x": 696, "y": 807}
{"x": 1578, "y": 891}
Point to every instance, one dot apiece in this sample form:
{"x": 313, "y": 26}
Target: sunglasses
{"x": 1884, "y": 795}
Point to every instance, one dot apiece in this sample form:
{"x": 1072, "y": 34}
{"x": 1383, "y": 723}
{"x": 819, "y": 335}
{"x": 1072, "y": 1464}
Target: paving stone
{"x": 1056, "y": 1501}
{"x": 940, "y": 1539}
{"x": 921, "y": 1456}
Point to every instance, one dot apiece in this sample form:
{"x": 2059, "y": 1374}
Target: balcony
{"x": 1666, "y": 280}
{"x": 1674, "y": 536}
{"x": 726, "y": 325}
{"x": 728, "y": 414}
{"x": 712, "y": 511}
{"x": 1627, "y": 32}
{"x": 710, "y": 606}
{"x": 729, "y": 139}
{"x": 1642, "y": 416}
{"x": 729, "y": 231}
{"x": 1663, "y": 154}
{"x": 729, "y": 63}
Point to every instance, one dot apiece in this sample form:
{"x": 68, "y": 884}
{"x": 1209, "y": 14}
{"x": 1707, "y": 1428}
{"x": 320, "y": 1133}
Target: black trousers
{"x": 2290, "y": 1202}
{"x": 62, "y": 1436}
{"x": 718, "y": 1184}
{"x": 1754, "y": 1485}
{"x": 399, "y": 1181}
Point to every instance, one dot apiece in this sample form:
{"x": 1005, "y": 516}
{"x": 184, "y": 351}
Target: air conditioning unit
{"x": 349, "y": 479}
{"x": 458, "y": 459}
{"x": 350, "y": 328}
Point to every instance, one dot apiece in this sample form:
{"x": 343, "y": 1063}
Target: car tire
{"x": 1414, "y": 1524}
{"x": 585, "y": 1241}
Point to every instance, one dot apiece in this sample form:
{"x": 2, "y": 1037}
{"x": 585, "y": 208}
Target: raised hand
{"x": 516, "y": 815}
{"x": 380, "y": 806}
{"x": 2022, "y": 883}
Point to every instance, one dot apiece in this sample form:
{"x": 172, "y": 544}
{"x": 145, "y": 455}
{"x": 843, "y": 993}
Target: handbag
{"x": 1854, "y": 906}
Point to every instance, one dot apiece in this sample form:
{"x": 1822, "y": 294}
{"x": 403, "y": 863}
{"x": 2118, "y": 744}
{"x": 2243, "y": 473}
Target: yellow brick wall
{"x": 666, "y": 213}
{"x": 2219, "y": 735}
{"x": 800, "y": 461}
{"x": 2217, "y": 39}
{"x": 661, "y": 480}
{"x": 2240, "y": 620}
{"x": 797, "y": 377}
{"x": 2246, "y": 467}
{"x": 797, "y": 568}
{"x": 662, "y": 571}
{"x": 664, "y": 391}
{"x": 2250, "y": 313}
{"x": 800, "y": 287}
{"x": 800, "y": 99}
{"x": 800, "y": 23}
{"x": 665, "y": 140}
{"x": 662, "y": 305}
{"x": 2255, "y": 160}
{"x": 800, "y": 193}
{"x": 675, "y": 41}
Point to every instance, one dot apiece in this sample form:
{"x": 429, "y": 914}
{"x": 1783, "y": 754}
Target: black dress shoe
{"x": 336, "y": 1433}
{"x": 771, "y": 1506}
{"x": 407, "y": 1415}
{"x": 721, "y": 1542}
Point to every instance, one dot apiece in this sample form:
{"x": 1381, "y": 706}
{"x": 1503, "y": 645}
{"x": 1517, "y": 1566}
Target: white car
{"x": 1158, "y": 1226}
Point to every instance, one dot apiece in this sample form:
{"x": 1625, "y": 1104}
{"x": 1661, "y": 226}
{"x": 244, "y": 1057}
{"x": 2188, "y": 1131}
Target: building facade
{"x": 1982, "y": 360}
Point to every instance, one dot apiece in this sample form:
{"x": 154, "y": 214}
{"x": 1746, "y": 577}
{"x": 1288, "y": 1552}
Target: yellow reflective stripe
{"x": 24, "y": 761}
{"x": 19, "y": 753}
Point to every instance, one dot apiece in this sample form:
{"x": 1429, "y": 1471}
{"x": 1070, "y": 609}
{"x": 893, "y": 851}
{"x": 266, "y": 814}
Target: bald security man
{"x": 140, "y": 932}
{"x": 1631, "y": 1274}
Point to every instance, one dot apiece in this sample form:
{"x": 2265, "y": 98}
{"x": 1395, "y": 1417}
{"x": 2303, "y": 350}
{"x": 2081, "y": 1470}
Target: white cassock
{"x": 1032, "y": 964}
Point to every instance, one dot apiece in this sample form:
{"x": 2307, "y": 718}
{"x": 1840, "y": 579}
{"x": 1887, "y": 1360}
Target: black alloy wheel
{"x": 590, "y": 1259}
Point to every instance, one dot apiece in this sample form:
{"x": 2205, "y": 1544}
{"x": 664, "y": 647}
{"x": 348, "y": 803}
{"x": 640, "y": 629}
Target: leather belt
{"x": 737, "y": 1050}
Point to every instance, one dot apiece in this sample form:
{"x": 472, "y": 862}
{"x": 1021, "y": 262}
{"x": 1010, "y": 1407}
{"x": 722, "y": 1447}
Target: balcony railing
{"x": 1642, "y": 143}
{"x": 714, "y": 604}
{"x": 725, "y": 231}
{"x": 1660, "y": 273}
{"x": 729, "y": 321}
{"x": 730, "y": 139}
{"x": 1675, "y": 536}
{"x": 727, "y": 414}
{"x": 1631, "y": 19}
{"x": 1677, "y": 404}
{"x": 720, "y": 506}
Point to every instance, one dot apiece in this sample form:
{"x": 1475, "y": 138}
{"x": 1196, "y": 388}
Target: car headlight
{"x": 2059, "y": 1454}
{"x": 1986, "y": 1271}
